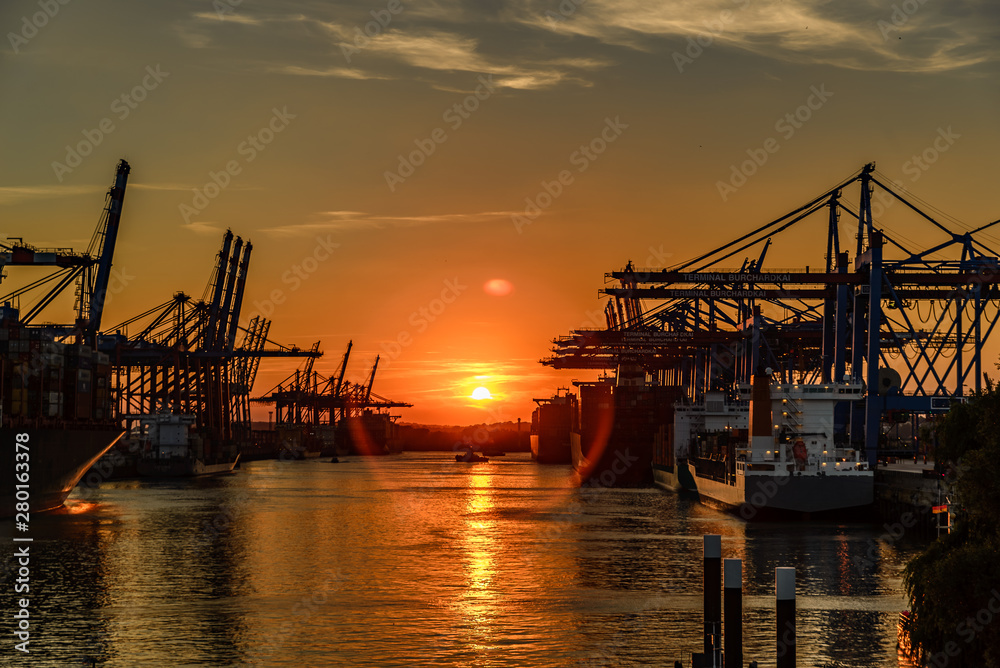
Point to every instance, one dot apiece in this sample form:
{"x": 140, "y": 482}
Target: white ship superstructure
{"x": 790, "y": 461}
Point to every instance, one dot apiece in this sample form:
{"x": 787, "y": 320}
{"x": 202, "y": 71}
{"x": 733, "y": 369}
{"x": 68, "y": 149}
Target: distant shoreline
{"x": 498, "y": 436}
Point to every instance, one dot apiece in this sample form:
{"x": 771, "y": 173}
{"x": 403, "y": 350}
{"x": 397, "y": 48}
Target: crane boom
{"x": 371, "y": 381}
{"x": 343, "y": 369}
{"x": 109, "y": 233}
{"x": 238, "y": 298}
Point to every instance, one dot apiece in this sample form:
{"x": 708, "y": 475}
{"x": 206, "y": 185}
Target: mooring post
{"x": 784, "y": 589}
{"x": 713, "y": 593}
{"x": 733, "y": 604}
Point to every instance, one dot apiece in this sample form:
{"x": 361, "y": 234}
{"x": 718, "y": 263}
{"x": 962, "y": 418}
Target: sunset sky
{"x": 399, "y": 150}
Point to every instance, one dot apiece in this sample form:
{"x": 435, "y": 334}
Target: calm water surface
{"x": 417, "y": 560}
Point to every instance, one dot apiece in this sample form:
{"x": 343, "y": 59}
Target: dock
{"x": 903, "y": 486}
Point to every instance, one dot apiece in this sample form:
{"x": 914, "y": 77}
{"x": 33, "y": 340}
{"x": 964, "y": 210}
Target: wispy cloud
{"x": 332, "y": 71}
{"x": 346, "y": 221}
{"x": 204, "y": 229}
{"x": 416, "y": 40}
{"x": 445, "y": 51}
{"x": 171, "y": 187}
{"x": 233, "y": 17}
{"x": 846, "y": 34}
{"x": 11, "y": 194}
{"x": 457, "y": 36}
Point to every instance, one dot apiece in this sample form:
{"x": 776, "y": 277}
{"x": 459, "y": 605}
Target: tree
{"x": 954, "y": 585}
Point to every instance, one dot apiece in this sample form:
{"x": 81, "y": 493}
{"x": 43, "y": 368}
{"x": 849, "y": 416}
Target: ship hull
{"x": 297, "y": 453}
{"x": 677, "y": 478}
{"x": 118, "y": 463}
{"x": 612, "y": 463}
{"x": 178, "y": 467}
{"x": 551, "y": 448}
{"x": 757, "y": 497}
{"x": 57, "y": 459}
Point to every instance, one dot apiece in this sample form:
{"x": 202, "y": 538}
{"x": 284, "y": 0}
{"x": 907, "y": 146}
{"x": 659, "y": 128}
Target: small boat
{"x": 471, "y": 457}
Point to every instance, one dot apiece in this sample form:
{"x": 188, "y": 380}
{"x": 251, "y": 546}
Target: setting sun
{"x": 481, "y": 393}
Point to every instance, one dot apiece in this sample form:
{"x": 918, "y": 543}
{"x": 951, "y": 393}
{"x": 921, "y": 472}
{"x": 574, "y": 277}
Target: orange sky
{"x": 632, "y": 113}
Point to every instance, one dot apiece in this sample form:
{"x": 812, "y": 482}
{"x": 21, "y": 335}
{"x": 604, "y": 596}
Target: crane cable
{"x": 921, "y": 318}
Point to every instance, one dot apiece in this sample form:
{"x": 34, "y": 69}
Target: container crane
{"x": 106, "y": 236}
{"x": 707, "y": 325}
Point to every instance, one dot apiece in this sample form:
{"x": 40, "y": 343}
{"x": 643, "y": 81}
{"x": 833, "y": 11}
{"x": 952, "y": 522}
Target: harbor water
{"x": 415, "y": 559}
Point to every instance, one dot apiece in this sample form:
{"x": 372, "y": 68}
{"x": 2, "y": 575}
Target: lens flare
{"x": 498, "y": 287}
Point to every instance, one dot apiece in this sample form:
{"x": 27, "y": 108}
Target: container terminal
{"x": 902, "y": 323}
{"x": 167, "y": 391}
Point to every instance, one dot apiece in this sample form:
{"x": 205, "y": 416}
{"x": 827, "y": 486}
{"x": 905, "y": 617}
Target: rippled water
{"x": 417, "y": 560}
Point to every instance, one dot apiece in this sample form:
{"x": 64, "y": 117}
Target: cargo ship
{"x": 705, "y": 427}
{"x": 299, "y": 442}
{"x": 55, "y": 386}
{"x": 57, "y": 395}
{"x": 621, "y": 420}
{"x": 790, "y": 464}
{"x": 170, "y": 447}
{"x": 372, "y": 432}
{"x": 552, "y": 422}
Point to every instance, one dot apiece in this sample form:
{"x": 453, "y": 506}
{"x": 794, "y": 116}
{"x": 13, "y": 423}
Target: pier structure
{"x": 907, "y": 320}
{"x": 191, "y": 356}
{"x": 317, "y": 413}
{"x": 184, "y": 356}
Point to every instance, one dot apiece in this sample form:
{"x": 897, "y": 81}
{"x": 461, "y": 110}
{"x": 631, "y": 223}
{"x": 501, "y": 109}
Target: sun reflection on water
{"x": 478, "y": 603}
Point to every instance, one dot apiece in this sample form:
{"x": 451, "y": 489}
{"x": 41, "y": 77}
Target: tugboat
{"x": 471, "y": 457}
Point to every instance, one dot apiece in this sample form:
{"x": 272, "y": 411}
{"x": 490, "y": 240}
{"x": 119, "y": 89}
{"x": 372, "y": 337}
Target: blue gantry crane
{"x": 909, "y": 322}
